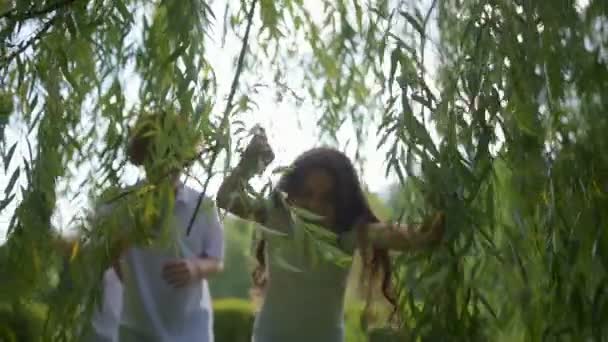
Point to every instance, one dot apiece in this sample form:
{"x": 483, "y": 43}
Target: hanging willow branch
{"x": 5, "y": 61}
{"x": 13, "y": 14}
{"x": 224, "y": 122}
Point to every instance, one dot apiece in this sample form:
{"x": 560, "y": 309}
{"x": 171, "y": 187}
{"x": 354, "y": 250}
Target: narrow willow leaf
{"x": 395, "y": 58}
{"x": 124, "y": 11}
{"x": 397, "y": 169}
{"x": 320, "y": 233}
{"x": 487, "y": 305}
{"x": 280, "y": 260}
{"x": 423, "y": 101}
{"x": 5, "y": 202}
{"x": 386, "y": 135}
{"x": 358, "y": 14}
{"x": 285, "y": 265}
{"x": 270, "y": 231}
{"x": 306, "y": 214}
{"x": 9, "y": 156}
{"x": 333, "y": 254}
{"x": 35, "y": 121}
{"x": 410, "y": 19}
{"x": 282, "y": 170}
{"x": 269, "y": 15}
{"x": 313, "y": 254}
{"x": 74, "y": 251}
{"x": 12, "y": 181}
{"x": 598, "y": 303}
{"x": 177, "y": 53}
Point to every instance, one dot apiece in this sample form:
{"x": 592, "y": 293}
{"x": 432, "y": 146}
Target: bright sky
{"x": 291, "y": 131}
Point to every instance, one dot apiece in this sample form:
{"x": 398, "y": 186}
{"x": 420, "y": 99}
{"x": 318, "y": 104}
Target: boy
{"x": 105, "y": 320}
{"x": 166, "y": 296}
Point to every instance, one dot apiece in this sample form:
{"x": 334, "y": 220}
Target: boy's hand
{"x": 180, "y": 273}
{"x": 183, "y": 272}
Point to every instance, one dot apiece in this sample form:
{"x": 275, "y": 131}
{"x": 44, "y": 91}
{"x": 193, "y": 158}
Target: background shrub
{"x": 233, "y": 320}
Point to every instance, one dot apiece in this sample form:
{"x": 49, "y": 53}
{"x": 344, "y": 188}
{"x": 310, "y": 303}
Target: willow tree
{"x": 491, "y": 110}
{"x": 518, "y": 165}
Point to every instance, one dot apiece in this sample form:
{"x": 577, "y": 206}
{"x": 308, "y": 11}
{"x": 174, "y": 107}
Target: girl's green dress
{"x": 306, "y": 282}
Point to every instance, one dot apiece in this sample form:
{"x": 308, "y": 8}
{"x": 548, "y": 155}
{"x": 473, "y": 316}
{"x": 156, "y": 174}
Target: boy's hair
{"x": 162, "y": 134}
{"x": 140, "y": 139}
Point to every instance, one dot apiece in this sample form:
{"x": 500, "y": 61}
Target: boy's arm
{"x": 121, "y": 247}
{"x": 207, "y": 267}
{"x": 182, "y": 272}
{"x": 209, "y": 261}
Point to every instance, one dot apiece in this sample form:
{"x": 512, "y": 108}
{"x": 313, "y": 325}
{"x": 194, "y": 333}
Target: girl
{"x": 304, "y": 296}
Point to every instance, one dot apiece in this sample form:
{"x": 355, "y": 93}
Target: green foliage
{"x": 233, "y": 320}
{"x": 385, "y": 335}
{"x": 379, "y": 207}
{"x": 511, "y": 85}
{"x": 503, "y": 130}
{"x": 235, "y": 280}
{"x": 170, "y": 142}
{"x": 352, "y": 323}
{"x": 22, "y": 322}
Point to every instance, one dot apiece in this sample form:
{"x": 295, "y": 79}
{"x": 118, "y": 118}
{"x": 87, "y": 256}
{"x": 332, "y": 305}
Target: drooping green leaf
{"x": 12, "y": 181}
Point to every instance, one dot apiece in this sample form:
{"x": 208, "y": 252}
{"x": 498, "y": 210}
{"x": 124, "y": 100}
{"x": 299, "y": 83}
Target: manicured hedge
{"x": 385, "y": 335}
{"x": 233, "y": 320}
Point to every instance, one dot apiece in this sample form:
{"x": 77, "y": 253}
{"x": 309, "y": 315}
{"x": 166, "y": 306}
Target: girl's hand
{"x": 434, "y": 229}
{"x": 232, "y": 194}
{"x": 406, "y": 237}
{"x": 258, "y": 154}
{"x": 180, "y": 273}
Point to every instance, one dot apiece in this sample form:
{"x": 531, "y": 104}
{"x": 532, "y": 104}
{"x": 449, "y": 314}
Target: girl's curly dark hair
{"x": 352, "y": 211}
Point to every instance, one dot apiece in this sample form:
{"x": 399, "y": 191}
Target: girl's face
{"x": 316, "y": 193}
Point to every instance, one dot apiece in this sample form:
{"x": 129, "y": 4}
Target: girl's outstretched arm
{"x": 232, "y": 195}
{"x": 406, "y": 237}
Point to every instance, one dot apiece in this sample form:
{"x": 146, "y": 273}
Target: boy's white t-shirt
{"x": 106, "y": 319}
{"x": 153, "y": 310}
